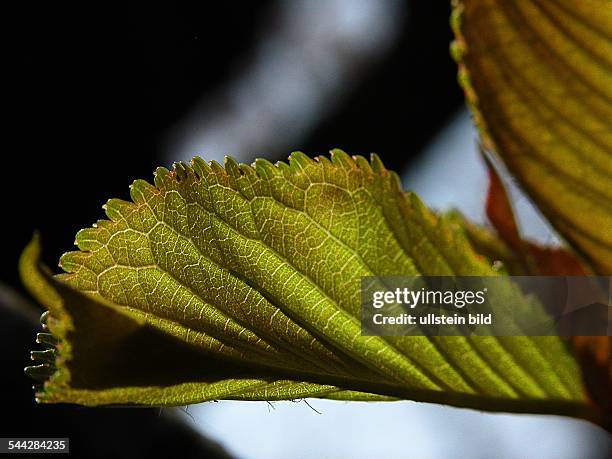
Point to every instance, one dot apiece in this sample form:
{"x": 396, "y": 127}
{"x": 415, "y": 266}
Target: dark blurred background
{"x": 102, "y": 93}
{"x": 98, "y": 89}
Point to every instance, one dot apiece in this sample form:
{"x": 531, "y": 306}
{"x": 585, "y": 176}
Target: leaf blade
{"x": 238, "y": 291}
{"x": 538, "y": 77}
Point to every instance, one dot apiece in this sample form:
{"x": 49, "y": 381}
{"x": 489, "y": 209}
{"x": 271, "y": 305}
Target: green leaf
{"x": 538, "y": 76}
{"x": 243, "y": 282}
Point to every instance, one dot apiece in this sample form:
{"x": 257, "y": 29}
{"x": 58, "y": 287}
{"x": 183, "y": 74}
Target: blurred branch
{"x": 15, "y": 302}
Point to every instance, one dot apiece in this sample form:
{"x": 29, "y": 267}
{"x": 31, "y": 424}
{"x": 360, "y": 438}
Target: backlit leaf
{"x": 519, "y": 257}
{"x": 243, "y": 282}
{"x": 538, "y": 75}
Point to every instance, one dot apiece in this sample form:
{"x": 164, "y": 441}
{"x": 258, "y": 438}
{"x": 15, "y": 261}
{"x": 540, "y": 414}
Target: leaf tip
{"x": 341, "y": 158}
{"x": 232, "y": 167}
{"x": 299, "y": 159}
{"x": 265, "y": 168}
{"x": 377, "y": 164}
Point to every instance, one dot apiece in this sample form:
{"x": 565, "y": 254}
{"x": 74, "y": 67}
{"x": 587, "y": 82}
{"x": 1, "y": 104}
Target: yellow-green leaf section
{"x": 538, "y": 75}
{"x": 243, "y": 282}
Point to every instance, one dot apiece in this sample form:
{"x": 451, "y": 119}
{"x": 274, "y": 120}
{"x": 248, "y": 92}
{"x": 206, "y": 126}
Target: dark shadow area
{"x": 94, "y": 88}
{"x": 94, "y": 432}
{"x": 110, "y": 349}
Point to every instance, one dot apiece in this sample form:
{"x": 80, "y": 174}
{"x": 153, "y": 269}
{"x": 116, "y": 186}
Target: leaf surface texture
{"x": 243, "y": 282}
{"x": 538, "y": 75}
